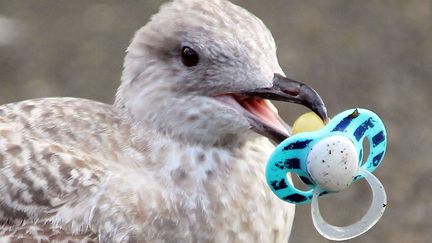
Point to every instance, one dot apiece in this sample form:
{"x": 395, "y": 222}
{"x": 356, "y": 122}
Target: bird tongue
{"x": 261, "y": 114}
{"x": 264, "y": 111}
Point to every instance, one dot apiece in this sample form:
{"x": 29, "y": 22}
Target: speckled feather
{"x": 165, "y": 163}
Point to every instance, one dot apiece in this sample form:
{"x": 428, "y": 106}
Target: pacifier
{"x": 329, "y": 160}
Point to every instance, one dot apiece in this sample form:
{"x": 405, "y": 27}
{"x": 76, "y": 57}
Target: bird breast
{"x": 214, "y": 194}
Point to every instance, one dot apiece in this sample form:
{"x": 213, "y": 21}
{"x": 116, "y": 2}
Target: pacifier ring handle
{"x": 375, "y": 212}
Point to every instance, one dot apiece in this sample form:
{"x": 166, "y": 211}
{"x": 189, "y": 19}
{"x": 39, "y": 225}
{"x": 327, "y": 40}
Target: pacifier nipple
{"x": 307, "y": 122}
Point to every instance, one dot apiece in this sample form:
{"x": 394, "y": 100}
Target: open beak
{"x": 262, "y": 115}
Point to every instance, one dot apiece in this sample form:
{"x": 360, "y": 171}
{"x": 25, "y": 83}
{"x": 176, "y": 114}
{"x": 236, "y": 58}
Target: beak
{"x": 261, "y": 114}
{"x": 283, "y": 89}
{"x": 292, "y": 91}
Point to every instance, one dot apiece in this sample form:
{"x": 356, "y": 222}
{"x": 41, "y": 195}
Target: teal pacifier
{"x": 329, "y": 160}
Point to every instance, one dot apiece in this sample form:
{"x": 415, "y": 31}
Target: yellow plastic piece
{"x": 308, "y": 122}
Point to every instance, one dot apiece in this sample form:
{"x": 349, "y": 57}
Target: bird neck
{"x": 172, "y": 156}
{"x": 194, "y": 170}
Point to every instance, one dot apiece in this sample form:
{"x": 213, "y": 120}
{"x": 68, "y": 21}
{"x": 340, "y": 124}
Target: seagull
{"x": 178, "y": 157}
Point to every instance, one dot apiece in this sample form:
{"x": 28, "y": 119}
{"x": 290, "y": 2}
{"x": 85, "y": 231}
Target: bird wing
{"x": 43, "y": 233}
{"x": 53, "y": 153}
{"x": 38, "y": 177}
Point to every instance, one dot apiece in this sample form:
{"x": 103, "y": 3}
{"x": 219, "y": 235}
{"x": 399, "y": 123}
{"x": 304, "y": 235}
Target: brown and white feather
{"x": 165, "y": 163}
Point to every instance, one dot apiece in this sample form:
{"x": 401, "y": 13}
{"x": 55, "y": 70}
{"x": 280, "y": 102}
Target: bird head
{"x": 204, "y": 72}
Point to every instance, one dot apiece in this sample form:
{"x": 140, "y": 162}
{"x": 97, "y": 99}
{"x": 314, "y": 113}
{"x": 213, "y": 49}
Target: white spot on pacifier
{"x": 333, "y": 163}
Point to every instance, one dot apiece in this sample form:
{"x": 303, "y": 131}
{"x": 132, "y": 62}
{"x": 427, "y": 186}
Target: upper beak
{"x": 288, "y": 90}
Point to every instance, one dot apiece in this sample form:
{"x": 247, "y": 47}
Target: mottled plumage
{"x": 167, "y": 162}
{"x": 76, "y": 166}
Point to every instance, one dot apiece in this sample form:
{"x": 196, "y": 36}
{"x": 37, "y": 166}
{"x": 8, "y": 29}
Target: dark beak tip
{"x": 321, "y": 111}
{"x": 311, "y": 99}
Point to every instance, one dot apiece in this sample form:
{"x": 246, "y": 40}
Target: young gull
{"x": 179, "y": 156}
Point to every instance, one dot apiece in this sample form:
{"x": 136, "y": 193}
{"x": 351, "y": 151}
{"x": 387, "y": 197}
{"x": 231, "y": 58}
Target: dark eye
{"x": 189, "y": 57}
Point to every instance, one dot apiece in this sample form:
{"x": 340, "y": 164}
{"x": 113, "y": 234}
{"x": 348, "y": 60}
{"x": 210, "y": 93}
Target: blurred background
{"x": 374, "y": 54}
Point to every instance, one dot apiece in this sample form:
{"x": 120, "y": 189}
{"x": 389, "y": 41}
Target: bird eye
{"x": 189, "y": 57}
